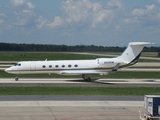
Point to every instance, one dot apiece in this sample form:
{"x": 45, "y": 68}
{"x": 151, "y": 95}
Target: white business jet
{"x": 100, "y": 66}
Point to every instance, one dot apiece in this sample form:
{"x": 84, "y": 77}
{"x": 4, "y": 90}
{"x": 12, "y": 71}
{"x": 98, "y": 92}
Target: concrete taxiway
{"x": 73, "y": 82}
{"x": 70, "y": 113}
{"x": 63, "y": 109}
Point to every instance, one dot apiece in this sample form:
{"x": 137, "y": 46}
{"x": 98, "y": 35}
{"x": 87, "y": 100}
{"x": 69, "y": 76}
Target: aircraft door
{"x": 98, "y": 62}
{"x": 33, "y": 66}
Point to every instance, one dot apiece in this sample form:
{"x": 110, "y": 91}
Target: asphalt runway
{"x": 73, "y": 108}
{"x": 45, "y": 82}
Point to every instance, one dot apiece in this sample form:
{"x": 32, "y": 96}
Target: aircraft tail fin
{"x": 133, "y": 52}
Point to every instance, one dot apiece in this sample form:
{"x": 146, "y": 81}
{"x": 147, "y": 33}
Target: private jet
{"x": 99, "y": 66}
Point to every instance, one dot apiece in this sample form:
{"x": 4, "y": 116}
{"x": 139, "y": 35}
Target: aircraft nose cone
{"x": 8, "y": 70}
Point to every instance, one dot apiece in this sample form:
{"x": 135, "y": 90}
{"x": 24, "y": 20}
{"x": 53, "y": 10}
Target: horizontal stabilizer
{"x": 140, "y": 43}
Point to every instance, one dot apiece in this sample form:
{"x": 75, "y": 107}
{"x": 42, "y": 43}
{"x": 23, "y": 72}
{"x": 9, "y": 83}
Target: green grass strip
{"x": 76, "y": 91}
{"x": 34, "y": 56}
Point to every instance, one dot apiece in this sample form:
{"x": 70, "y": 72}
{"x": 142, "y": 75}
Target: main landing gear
{"x": 86, "y": 78}
{"x": 17, "y": 78}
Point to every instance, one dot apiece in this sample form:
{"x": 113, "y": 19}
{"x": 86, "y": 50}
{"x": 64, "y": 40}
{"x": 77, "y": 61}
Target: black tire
{"x": 16, "y": 79}
{"x": 88, "y": 80}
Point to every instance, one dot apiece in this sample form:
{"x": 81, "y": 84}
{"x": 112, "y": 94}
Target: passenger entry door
{"x": 33, "y": 66}
{"x": 98, "y": 62}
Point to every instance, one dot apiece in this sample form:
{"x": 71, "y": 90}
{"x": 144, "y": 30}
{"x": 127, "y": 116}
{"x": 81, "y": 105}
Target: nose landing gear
{"x": 17, "y": 78}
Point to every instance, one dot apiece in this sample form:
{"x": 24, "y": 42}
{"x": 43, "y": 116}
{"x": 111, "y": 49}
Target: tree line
{"x": 65, "y": 48}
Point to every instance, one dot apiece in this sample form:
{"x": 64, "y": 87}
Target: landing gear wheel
{"x": 16, "y": 78}
{"x": 86, "y": 78}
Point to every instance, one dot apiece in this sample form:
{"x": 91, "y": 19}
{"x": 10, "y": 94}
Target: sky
{"x": 80, "y": 22}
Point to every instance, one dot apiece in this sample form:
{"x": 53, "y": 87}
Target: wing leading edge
{"x": 76, "y": 72}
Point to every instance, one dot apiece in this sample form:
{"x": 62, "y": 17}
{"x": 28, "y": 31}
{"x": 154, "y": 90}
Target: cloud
{"x": 1, "y": 21}
{"x": 158, "y": 1}
{"x": 3, "y": 15}
{"x": 101, "y": 16}
{"x": 41, "y": 22}
{"x": 115, "y": 4}
{"x": 83, "y": 12}
{"x": 30, "y": 6}
{"x": 17, "y": 3}
{"x": 25, "y": 18}
{"x": 141, "y": 12}
{"x": 76, "y": 11}
{"x": 148, "y": 16}
{"x": 131, "y": 20}
{"x": 138, "y": 12}
{"x": 86, "y": 11}
{"x": 57, "y": 22}
{"x": 24, "y": 15}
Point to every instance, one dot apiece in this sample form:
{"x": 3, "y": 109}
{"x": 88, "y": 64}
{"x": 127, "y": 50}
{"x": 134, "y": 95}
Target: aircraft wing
{"x": 76, "y": 72}
{"x": 116, "y": 67}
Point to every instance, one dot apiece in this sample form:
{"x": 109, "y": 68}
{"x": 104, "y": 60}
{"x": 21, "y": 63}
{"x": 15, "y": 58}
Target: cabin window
{"x": 50, "y": 66}
{"x": 63, "y": 66}
{"x": 56, "y": 66}
{"x": 75, "y": 65}
{"x": 69, "y": 65}
{"x": 43, "y": 66}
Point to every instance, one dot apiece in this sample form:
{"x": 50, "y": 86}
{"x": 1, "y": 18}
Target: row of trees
{"x": 65, "y": 48}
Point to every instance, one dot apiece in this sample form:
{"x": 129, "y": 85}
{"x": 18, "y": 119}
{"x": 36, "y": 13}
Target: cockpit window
{"x": 17, "y": 64}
